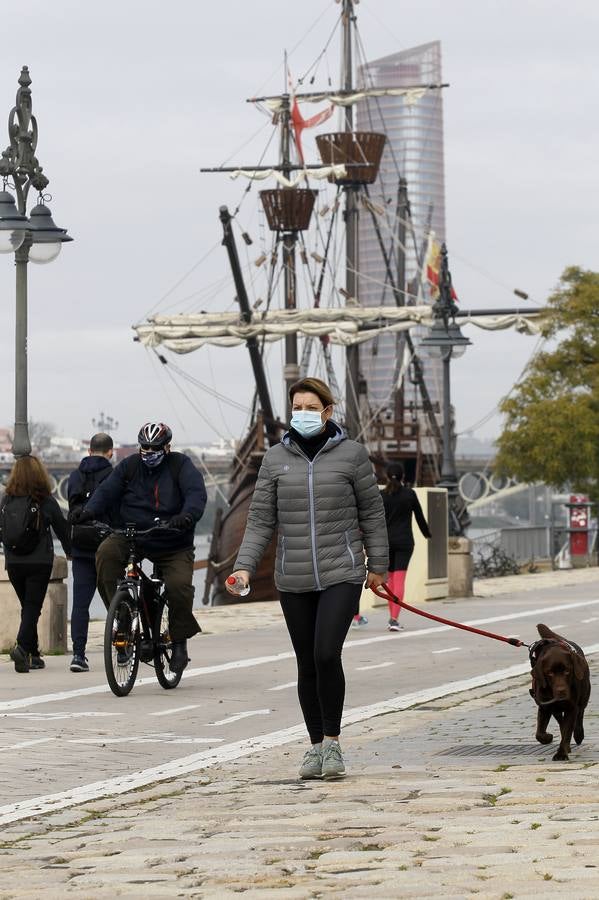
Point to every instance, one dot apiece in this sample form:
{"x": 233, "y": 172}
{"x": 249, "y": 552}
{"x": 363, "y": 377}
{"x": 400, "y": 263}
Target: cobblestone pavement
{"x": 449, "y": 798}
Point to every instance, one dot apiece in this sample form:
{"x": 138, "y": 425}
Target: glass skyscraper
{"x": 414, "y": 151}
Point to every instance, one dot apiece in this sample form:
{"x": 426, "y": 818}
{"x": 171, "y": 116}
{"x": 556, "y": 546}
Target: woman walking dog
{"x": 319, "y": 490}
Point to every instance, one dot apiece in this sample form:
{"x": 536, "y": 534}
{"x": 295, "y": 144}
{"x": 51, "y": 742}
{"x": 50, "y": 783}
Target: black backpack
{"x": 21, "y": 524}
{"x": 87, "y": 537}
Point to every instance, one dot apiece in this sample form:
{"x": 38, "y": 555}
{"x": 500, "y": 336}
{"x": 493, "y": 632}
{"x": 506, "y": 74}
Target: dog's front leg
{"x": 543, "y": 716}
{"x": 566, "y": 726}
{"x": 579, "y": 726}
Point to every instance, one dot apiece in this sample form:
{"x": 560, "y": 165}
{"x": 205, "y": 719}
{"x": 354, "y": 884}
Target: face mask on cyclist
{"x": 152, "y": 458}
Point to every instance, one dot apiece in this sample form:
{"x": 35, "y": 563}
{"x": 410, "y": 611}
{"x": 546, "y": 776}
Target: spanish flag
{"x": 433, "y": 267}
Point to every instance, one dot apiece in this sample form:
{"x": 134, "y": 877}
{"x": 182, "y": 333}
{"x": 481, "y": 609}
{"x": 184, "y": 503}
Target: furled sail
{"x": 336, "y": 171}
{"x": 411, "y": 96}
{"x": 343, "y": 325}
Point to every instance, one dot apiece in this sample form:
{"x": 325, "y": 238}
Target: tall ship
{"x": 310, "y": 285}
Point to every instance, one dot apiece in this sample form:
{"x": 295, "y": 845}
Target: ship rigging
{"x": 313, "y": 217}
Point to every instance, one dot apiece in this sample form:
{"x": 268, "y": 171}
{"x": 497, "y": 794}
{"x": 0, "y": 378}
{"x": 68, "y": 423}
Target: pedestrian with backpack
{"x": 27, "y": 513}
{"x": 154, "y": 484}
{"x": 85, "y": 540}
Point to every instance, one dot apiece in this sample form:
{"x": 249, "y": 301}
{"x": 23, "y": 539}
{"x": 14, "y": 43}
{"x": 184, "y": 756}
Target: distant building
{"x": 121, "y": 453}
{"x": 5, "y": 440}
{"x": 414, "y": 150}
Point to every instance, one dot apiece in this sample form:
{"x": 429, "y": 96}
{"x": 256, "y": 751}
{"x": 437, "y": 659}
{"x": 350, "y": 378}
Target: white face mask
{"x": 307, "y": 422}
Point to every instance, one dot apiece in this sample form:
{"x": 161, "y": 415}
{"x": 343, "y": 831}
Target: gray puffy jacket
{"x": 328, "y": 512}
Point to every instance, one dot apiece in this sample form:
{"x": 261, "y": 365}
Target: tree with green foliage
{"x": 551, "y": 428}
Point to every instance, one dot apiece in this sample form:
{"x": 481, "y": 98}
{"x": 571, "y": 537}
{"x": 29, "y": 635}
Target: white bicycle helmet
{"x": 154, "y": 436}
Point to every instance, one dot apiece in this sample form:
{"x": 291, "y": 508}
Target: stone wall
{"x": 52, "y": 626}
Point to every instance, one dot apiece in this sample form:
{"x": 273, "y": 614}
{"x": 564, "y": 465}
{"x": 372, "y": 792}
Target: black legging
{"x": 318, "y": 622}
{"x": 30, "y": 581}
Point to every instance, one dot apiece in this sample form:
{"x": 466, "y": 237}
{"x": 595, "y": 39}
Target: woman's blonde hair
{"x": 29, "y": 478}
{"x": 315, "y": 386}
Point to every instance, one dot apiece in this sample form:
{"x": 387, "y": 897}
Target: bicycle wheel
{"x": 163, "y": 649}
{"x": 121, "y": 643}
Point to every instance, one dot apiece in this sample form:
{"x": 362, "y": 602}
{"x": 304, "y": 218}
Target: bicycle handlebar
{"x": 130, "y": 530}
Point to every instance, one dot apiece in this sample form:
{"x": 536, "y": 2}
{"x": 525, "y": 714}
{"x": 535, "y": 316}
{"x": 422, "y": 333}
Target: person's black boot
{"x": 179, "y": 657}
{"x": 20, "y": 658}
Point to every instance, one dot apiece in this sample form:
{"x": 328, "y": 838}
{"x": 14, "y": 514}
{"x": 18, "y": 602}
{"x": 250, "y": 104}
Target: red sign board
{"x": 579, "y": 523}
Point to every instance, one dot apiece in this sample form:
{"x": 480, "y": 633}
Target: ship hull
{"x": 227, "y": 538}
{"x": 229, "y": 528}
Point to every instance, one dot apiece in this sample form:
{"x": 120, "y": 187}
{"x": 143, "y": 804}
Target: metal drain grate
{"x": 494, "y": 750}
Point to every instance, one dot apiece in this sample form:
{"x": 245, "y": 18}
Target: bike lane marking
{"x": 24, "y": 744}
{"x": 176, "y": 709}
{"x": 53, "y": 716}
{"x": 25, "y": 809}
{"x": 283, "y": 687}
{"x": 238, "y": 716}
{"x": 278, "y": 657}
{"x": 382, "y": 665}
{"x": 142, "y": 739}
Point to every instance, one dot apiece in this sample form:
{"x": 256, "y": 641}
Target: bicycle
{"x": 136, "y": 627}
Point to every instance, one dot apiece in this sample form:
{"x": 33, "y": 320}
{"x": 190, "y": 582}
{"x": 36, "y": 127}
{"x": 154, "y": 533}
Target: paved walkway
{"x": 490, "y": 587}
{"x": 241, "y": 616}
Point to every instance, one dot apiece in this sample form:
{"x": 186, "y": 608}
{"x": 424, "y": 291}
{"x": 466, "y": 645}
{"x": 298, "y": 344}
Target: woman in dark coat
{"x": 29, "y": 572}
{"x": 400, "y": 503}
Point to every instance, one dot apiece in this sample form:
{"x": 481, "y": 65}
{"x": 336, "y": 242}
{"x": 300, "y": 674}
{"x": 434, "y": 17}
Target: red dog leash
{"x": 389, "y": 595}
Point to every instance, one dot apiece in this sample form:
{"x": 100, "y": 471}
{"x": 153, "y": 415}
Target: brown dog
{"x": 561, "y": 687}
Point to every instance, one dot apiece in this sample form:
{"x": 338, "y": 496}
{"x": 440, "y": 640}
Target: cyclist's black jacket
{"x": 153, "y": 493}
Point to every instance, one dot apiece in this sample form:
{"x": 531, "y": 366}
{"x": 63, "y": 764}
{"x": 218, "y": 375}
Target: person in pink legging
{"x": 400, "y": 503}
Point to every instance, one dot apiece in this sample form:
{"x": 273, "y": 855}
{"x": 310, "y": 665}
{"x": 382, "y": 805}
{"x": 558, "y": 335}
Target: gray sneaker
{"x": 333, "y": 765}
{"x": 311, "y": 766}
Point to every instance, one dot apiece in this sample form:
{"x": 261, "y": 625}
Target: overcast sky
{"x": 132, "y": 97}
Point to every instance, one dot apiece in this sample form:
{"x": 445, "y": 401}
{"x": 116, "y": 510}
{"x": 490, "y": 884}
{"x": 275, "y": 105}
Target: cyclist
{"x": 155, "y": 484}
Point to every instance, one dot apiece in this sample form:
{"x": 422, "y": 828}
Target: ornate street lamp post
{"x": 446, "y": 341}
{"x": 105, "y": 423}
{"x": 36, "y": 238}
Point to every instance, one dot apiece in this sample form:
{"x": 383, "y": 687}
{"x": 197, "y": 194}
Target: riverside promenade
{"x": 448, "y": 797}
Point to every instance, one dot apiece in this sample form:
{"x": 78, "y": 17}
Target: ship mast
{"x": 291, "y": 368}
{"x": 272, "y": 431}
{"x": 352, "y": 353}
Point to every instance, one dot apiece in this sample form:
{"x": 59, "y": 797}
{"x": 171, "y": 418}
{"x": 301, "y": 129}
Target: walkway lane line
{"x": 132, "y": 739}
{"x": 110, "y": 787}
{"x": 54, "y": 716}
{"x": 176, "y": 709}
{"x": 104, "y": 688}
{"x": 382, "y": 665}
{"x": 283, "y": 687}
{"x": 248, "y": 714}
{"x": 24, "y": 744}
{"x": 447, "y": 650}
{"x": 23, "y": 702}
{"x": 508, "y": 617}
